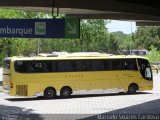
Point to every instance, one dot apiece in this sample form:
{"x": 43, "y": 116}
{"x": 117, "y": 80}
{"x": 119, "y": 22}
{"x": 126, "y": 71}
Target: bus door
{"x": 127, "y": 72}
{"x": 145, "y": 69}
{"x": 146, "y": 73}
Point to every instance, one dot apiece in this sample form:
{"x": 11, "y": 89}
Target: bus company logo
{"x": 40, "y": 28}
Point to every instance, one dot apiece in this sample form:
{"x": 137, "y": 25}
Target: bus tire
{"x": 49, "y": 93}
{"x": 132, "y": 89}
{"x": 65, "y": 92}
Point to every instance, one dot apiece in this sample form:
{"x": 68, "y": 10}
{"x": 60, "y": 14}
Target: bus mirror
{"x": 154, "y": 68}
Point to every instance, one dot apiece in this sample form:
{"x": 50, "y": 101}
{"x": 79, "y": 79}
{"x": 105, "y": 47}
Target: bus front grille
{"x": 21, "y": 90}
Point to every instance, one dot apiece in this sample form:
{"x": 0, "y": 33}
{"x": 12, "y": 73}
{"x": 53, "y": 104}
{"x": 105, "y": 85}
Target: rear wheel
{"x": 65, "y": 92}
{"x": 49, "y": 93}
{"x": 132, "y": 89}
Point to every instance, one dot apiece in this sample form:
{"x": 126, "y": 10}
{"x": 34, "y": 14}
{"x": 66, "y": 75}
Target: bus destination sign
{"x": 40, "y": 28}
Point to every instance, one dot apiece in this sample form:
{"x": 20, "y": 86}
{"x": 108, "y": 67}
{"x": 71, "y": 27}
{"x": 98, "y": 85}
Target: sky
{"x": 124, "y": 26}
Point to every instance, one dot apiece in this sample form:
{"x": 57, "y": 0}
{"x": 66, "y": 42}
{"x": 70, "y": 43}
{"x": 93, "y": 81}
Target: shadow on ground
{"x": 149, "y": 110}
{"x": 73, "y": 96}
{"x": 18, "y": 113}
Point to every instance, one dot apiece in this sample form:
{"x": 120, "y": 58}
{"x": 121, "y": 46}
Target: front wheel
{"x": 132, "y": 89}
{"x": 49, "y": 93}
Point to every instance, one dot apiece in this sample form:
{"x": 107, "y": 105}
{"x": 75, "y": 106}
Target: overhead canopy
{"x": 142, "y": 11}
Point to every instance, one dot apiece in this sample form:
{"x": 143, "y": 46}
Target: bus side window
{"x": 53, "y": 66}
{"x": 65, "y": 66}
{"x": 86, "y": 65}
{"x": 46, "y": 66}
{"x": 32, "y": 67}
{"x": 107, "y": 65}
{"x": 130, "y": 64}
{"x": 69, "y": 66}
{"x": 37, "y": 66}
{"x": 82, "y": 65}
{"x": 116, "y": 65}
{"x": 21, "y": 66}
{"x": 78, "y": 65}
{"x": 97, "y": 65}
{"x": 60, "y": 66}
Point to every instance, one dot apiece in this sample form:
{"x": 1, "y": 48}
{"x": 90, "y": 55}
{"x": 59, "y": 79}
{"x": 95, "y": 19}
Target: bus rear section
{"x": 7, "y": 83}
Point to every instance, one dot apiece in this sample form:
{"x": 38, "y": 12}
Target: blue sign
{"x": 32, "y": 28}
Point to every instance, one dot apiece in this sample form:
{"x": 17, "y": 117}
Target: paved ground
{"x": 83, "y": 107}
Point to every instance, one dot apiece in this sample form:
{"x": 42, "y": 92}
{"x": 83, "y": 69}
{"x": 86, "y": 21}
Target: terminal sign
{"x": 40, "y": 28}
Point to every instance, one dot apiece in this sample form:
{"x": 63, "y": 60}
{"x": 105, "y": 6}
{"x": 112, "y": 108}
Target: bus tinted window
{"x": 21, "y": 66}
{"x": 124, "y": 64}
{"x": 117, "y": 64}
{"x": 81, "y": 65}
{"x": 75, "y": 65}
{"x": 78, "y": 65}
{"x": 64, "y": 66}
{"x": 97, "y": 65}
{"x": 86, "y": 65}
{"x": 33, "y": 66}
{"x": 53, "y": 66}
{"x": 60, "y": 66}
{"x": 37, "y": 66}
{"x": 130, "y": 64}
{"x": 107, "y": 64}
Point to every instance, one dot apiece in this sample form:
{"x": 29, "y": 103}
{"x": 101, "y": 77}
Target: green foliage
{"x": 23, "y": 47}
{"x": 154, "y": 55}
{"x": 94, "y": 35}
{"x": 68, "y": 45}
{"x": 113, "y": 45}
{"x": 19, "y": 14}
{"x": 119, "y": 41}
{"x": 146, "y": 36}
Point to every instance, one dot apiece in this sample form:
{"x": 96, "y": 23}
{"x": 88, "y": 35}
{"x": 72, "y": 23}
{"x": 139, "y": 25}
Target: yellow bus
{"x": 71, "y": 74}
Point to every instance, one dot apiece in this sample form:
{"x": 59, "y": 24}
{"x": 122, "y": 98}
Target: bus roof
{"x": 74, "y": 56}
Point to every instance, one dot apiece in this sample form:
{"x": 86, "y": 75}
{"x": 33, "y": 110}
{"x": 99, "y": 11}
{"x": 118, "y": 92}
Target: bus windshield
{"x": 145, "y": 69}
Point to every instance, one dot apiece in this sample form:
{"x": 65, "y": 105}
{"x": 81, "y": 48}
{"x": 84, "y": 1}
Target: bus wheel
{"x": 132, "y": 89}
{"x": 65, "y": 92}
{"x": 49, "y": 93}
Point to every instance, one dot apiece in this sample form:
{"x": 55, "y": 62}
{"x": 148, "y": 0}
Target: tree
{"x": 147, "y": 36}
{"x": 154, "y": 55}
{"x": 113, "y": 45}
{"x": 94, "y": 35}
